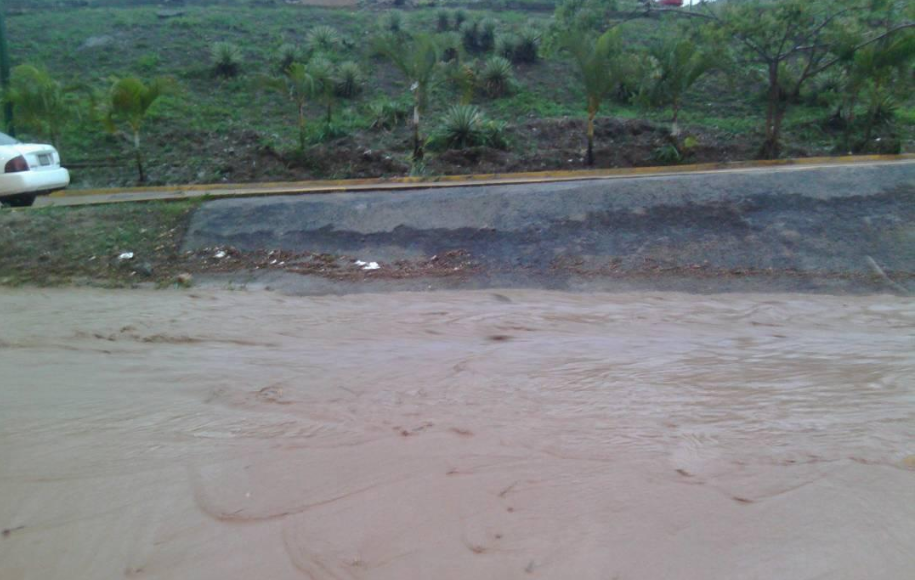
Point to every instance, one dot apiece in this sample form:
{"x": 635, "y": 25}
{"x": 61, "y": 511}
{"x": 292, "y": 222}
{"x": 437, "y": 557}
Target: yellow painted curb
{"x": 403, "y": 183}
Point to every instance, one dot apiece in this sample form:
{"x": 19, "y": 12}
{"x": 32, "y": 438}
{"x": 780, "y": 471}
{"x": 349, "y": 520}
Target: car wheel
{"x": 24, "y": 200}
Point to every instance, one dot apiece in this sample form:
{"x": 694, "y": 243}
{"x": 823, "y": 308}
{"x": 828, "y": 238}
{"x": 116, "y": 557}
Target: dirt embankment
{"x": 537, "y": 145}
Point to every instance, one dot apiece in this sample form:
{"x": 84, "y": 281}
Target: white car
{"x": 28, "y": 170}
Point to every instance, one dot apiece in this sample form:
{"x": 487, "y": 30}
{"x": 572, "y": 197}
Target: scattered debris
{"x": 126, "y": 256}
{"x": 8, "y": 531}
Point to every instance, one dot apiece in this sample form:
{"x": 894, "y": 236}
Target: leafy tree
{"x": 673, "y": 66}
{"x": 42, "y": 104}
{"x": 418, "y": 59}
{"x": 595, "y": 58}
{"x": 125, "y": 106}
{"x": 298, "y": 86}
{"x": 793, "y": 41}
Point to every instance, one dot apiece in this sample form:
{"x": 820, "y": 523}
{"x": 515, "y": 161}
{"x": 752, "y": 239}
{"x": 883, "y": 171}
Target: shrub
{"x": 327, "y": 132}
{"x": 323, "y": 39}
{"x": 486, "y": 35}
{"x": 442, "y": 20}
{"x": 667, "y": 153}
{"x": 393, "y": 22}
{"x": 460, "y": 17}
{"x": 470, "y": 35}
{"x": 825, "y": 91}
{"x": 464, "y": 78}
{"x": 507, "y": 46}
{"x": 349, "y": 79}
{"x": 528, "y": 47}
{"x": 386, "y": 114}
{"x": 226, "y": 59}
{"x": 148, "y": 62}
{"x": 497, "y": 79}
{"x": 466, "y": 126}
{"x": 450, "y": 43}
{"x": 287, "y": 54}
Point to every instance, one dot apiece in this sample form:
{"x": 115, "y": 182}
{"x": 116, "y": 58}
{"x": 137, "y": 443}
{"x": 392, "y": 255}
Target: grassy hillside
{"x": 234, "y": 130}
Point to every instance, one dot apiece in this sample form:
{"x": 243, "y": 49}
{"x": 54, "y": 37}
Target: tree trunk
{"x": 417, "y": 143}
{"x": 849, "y": 124}
{"x": 139, "y": 156}
{"x": 674, "y": 127}
{"x": 302, "y": 128}
{"x": 871, "y": 117}
{"x": 592, "y": 112}
{"x": 774, "y": 113}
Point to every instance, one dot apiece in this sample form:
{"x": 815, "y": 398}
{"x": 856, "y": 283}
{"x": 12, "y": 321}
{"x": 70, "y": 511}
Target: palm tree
{"x": 126, "y": 104}
{"x": 595, "y": 59}
{"x": 417, "y": 58}
{"x": 298, "y": 86}
{"x": 675, "y": 65}
{"x": 42, "y": 104}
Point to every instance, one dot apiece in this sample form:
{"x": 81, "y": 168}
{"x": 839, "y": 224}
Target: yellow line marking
{"x": 174, "y": 192}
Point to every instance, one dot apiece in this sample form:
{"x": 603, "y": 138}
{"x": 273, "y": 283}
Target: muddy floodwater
{"x": 455, "y": 435}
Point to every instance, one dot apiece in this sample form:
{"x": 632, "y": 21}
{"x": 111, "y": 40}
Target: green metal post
{"x": 5, "y": 73}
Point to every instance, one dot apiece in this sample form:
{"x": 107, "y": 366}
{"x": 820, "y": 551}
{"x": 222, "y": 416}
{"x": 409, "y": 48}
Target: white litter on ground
{"x": 126, "y": 256}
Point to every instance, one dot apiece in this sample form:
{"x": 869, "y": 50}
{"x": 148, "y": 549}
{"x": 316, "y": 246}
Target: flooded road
{"x": 455, "y": 435}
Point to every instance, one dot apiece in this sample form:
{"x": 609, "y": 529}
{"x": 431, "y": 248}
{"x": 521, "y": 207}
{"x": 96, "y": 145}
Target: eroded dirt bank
{"x": 455, "y": 435}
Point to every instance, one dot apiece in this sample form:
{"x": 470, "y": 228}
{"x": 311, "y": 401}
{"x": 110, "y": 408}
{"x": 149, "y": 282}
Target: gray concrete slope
{"x": 822, "y": 221}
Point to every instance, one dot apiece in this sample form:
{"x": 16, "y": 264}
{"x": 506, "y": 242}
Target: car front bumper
{"x": 34, "y": 181}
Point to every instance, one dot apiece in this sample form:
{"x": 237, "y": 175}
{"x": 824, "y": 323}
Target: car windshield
{"x": 7, "y": 140}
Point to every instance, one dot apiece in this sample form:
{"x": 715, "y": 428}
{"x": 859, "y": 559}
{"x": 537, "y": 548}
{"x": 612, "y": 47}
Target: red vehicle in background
{"x": 676, "y": 3}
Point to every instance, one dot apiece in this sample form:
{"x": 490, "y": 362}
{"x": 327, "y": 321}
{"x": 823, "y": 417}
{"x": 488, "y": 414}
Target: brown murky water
{"x": 456, "y": 436}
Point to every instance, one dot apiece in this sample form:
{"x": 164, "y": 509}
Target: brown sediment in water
{"x": 455, "y": 435}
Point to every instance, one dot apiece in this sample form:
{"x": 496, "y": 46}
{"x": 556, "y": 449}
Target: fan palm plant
{"x": 594, "y": 58}
{"x": 42, "y": 104}
{"x": 675, "y": 65}
{"x": 298, "y": 86}
{"x": 125, "y": 106}
{"x": 417, "y": 58}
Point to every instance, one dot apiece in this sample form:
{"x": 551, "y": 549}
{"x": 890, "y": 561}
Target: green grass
{"x": 58, "y": 245}
{"x": 212, "y": 123}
